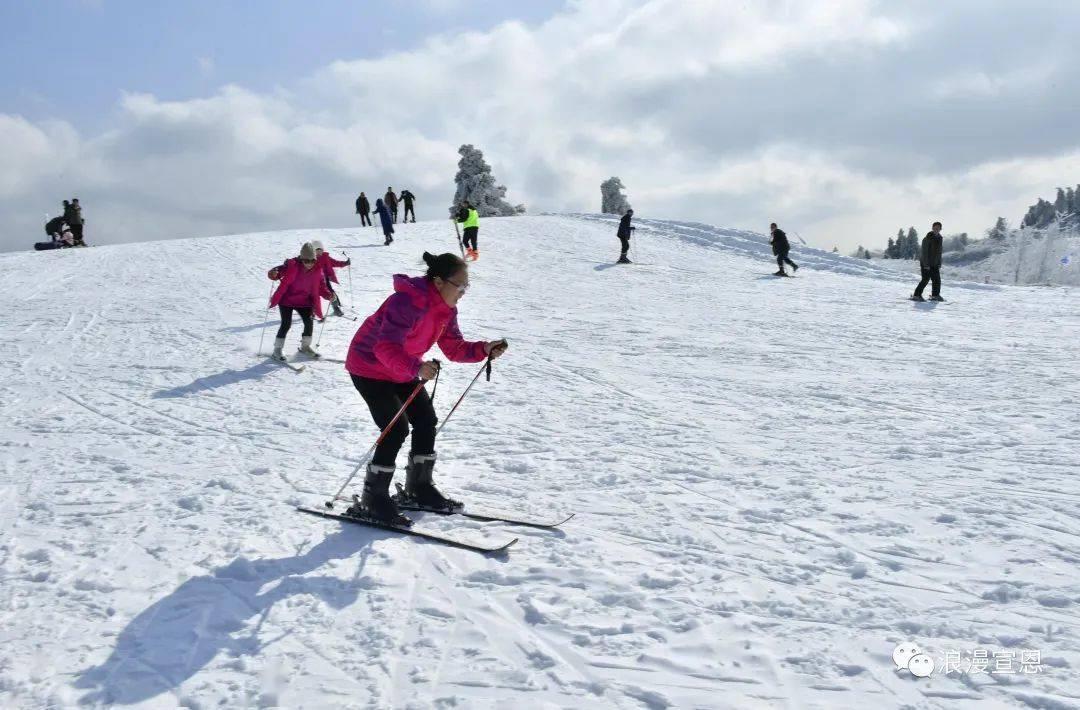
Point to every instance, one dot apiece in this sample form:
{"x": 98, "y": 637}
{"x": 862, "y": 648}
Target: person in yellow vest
{"x": 470, "y": 221}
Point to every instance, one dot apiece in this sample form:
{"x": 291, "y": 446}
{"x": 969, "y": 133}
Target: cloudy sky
{"x": 840, "y": 119}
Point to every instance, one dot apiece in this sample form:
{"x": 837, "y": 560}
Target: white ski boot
{"x": 279, "y": 343}
{"x": 305, "y": 347}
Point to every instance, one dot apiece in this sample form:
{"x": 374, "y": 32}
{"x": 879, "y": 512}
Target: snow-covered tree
{"x": 911, "y": 248}
{"x": 476, "y": 184}
{"x": 612, "y": 200}
{"x": 890, "y": 251}
{"x": 1000, "y": 230}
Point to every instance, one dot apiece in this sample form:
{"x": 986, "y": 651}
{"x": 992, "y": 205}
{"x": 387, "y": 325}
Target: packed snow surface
{"x": 776, "y": 481}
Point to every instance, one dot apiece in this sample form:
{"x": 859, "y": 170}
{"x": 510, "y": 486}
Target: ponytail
{"x": 443, "y": 266}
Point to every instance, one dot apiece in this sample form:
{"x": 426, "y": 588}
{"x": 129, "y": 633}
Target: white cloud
{"x": 846, "y": 118}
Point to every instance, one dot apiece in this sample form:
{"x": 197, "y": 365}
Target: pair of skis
{"x": 294, "y": 366}
{"x": 436, "y": 537}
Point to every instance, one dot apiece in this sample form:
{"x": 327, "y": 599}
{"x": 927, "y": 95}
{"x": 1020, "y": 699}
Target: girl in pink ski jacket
{"x": 327, "y": 264}
{"x": 300, "y": 290}
{"x": 386, "y": 364}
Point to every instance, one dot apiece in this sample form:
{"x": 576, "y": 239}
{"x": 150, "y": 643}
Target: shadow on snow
{"x": 222, "y": 379}
{"x": 224, "y": 611}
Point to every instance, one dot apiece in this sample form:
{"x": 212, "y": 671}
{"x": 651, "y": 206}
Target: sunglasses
{"x": 460, "y": 287}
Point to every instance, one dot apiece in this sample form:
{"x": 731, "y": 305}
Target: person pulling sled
{"x": 385, "y": 362}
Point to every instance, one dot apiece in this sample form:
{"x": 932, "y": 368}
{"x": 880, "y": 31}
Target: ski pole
{"x": 263, "y": 334}
{"x": 485, "y": 367}
{"x": 322, "y": 326}
{"x": 382, "y": 435}
{"x": 352, "y": 302}
{"x": 459, "y": 244}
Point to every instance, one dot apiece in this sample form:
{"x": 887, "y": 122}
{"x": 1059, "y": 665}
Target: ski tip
{"x": 564, "y": 520}
{"x": 504, "y": 548}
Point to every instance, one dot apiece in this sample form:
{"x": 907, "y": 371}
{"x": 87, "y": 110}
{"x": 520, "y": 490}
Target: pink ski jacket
{"x": 392, "y": 341}
{"x": 327, "y": 264}
{"x": 309, "y": 283}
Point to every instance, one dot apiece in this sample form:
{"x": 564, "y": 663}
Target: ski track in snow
{"x": 776, "y": 481}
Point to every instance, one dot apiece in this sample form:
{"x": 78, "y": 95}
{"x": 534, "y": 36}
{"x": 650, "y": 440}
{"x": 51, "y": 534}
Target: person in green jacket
{"x": 930, "y": 265}
{"x": 470, "y": 221}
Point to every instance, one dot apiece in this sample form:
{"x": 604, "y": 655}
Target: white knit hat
{"x": 318, "y": 245}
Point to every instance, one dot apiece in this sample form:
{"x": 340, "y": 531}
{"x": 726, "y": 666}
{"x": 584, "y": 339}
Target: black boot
{"x": 336, "y": 303}
{"x": 376, "y": 502}
{"x": 780, "y": 273}
{"x": 917, "y": 297}
{"x": 419, "y": 489}
{"x": 794, "y": 267}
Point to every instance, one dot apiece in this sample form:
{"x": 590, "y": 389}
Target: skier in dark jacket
{"x": 407, "y": 197}
{"x": 624, "y": 235}
{"x": 55, "y": 228}
{"x": 386, "y": 220}
{"x": 363, "y": 208}
{"x": 781, "y": 247}
{"x": 391, "y": 201}
{"x": 930, "y": 265}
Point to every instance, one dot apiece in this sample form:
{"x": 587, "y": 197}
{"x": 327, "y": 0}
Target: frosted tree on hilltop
{"x": 476, "y": 184}
{"x": 612, "y": 200}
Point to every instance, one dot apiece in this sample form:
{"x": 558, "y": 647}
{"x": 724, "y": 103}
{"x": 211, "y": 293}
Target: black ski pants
{"x": 782, "y": 258}
{"x": 625, "y": 246}
{"x": 286, "y": 320}
{"x": 365, "y": 219}
{"x": 930, "y": 273}
{"x": 469, "y": 237}
{"x": 384, "y": 399}
{"x": 409, "y": 210}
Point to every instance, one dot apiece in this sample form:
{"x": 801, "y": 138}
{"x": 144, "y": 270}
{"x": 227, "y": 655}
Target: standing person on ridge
{"x": 930, "y": 265}
{"x": 363, "y": 208}
{"x": 74, "y": 219}
{"x": 386, "y": 366}
{"x": 327, "y": 264}
{"x": 301, "y": 290}
{"x": 624, "y": 235}
{"x": 780, "y": 248}
{"x": 407, "y": 197}
{"x": 391, "y": 201}
{"x": 470, "y": 221}
{"x": 385, "y": 220}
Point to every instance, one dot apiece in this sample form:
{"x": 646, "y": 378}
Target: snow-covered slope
{"x": 776, "y": 481}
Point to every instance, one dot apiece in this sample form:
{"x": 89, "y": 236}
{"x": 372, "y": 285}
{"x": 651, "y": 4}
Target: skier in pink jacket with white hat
{"x": 386, "y": 363}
